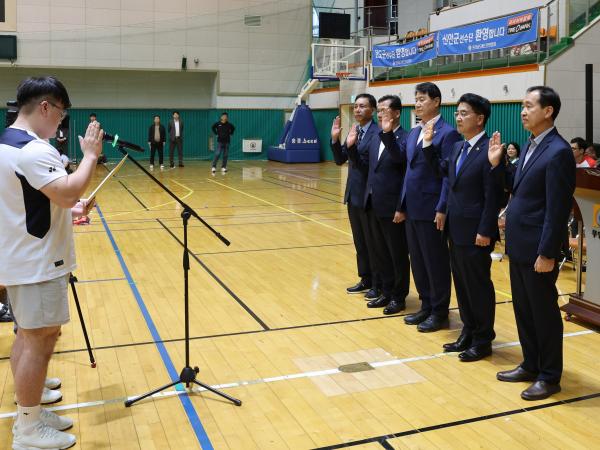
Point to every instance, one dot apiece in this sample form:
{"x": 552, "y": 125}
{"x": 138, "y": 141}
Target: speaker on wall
{"x": 183, "y": 63}
{"x": 334, "y": 26}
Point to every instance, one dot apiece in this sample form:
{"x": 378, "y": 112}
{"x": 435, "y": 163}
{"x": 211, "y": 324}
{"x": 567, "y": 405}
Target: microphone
{"x": 115, "y": 141}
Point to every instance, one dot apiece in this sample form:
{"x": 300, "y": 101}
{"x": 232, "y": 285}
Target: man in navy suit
{"x": 536, "y": 221}
{"x": 474, "y": 200}
{"x": 423, "y": 206}
{"x": 382, "y": 203}
{"x": 364, "y": 107}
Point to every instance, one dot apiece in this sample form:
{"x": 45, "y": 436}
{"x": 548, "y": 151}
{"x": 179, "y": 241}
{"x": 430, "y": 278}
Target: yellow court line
{"x": 503, "y": 293}
{"x": 280, "y": 207}
{"x": 191, "y": 191}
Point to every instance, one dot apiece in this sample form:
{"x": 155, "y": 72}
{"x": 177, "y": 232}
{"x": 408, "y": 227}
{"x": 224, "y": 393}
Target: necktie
{"x": 361, "y": 133}
{"x": 462, "y": 156}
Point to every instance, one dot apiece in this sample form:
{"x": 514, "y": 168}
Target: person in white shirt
{"x": 37, "y": 202}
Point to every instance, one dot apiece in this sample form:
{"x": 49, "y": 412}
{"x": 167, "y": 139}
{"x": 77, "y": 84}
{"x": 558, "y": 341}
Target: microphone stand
{"x": 188, "y": 373}
{"x": 72, "y": 281}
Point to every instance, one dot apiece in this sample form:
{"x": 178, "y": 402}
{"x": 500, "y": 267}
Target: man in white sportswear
{"x": 37, "y": 201}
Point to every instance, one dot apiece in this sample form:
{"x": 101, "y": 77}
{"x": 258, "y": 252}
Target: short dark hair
{"x": 479, "y": 104}
{"x": 430, "y": 89}
{"x": 548, "y": 97}
{"x": 93, "y": 115}
{"x": 580, "y": 143}
{"x": 155, "y": 116}
{"x": 516, "y": 146}
{"x": 395, "y": 102}
{"x": 176, "y": 112}
{"x": 596, "y": 148}
{"x": 369, "y": 97}
{"x": 224, "y": 114}
{"x": 38, "y": 88}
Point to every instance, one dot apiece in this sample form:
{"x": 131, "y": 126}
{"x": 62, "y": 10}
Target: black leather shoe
{"x": 359, "y": 287}
{"x": 516, "y": 375}
{"x": 373, "y": 294}
{"x": 475, "y": 353}
{"x": 395, "y": 306}
{"x": 416, "y": 318}
{"x": 540, "y": 390}
{"x": 379, "y": 302}
{"x": 433, "y": 323}
{"x": 462, "y": 343}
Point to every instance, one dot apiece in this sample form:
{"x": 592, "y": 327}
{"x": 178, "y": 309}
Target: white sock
{"x": 27, "y": 416}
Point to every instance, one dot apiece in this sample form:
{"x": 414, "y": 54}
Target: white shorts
{"x": 40, "y": 305}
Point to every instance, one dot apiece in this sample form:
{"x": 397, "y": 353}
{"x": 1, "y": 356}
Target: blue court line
{"x": 173, "y": 374}
{"x": 101, "y": 280}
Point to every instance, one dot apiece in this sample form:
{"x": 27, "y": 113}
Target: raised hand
{"x": 336, "y": 129}
{"x": 91, "y": 144}
{"x": 495, "y": 149}
{"x": 428, "y": 134}
{"x": 352, "y": 136}
{"x": 387, "y": 123}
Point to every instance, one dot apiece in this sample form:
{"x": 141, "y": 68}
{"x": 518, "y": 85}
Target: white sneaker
{"x": 48, "y": 396}
{"x": 151, "y": 166}
{"x": 223, "y": 169}
{"x": 162, "y": 167}
{"x": 41, "y": 436}
{"x": 52, "y": 383}
{"x": 213, "y": 170}
{"x": 60, "y": 423}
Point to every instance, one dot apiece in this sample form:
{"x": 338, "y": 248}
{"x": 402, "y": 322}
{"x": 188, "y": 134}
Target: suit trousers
{"x": 360, "y": 234}
{"x": 154, "y": 147}
{"x": 178, "y": 142}
{"x": 430, "y": 265}
{"x": 390, "y": 253}
{"x": 540, "y": 326}
{"x": 471, "y": 271}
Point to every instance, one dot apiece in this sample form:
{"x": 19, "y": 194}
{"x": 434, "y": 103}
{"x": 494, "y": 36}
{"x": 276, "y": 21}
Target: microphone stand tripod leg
{"x": 72, "y": 281}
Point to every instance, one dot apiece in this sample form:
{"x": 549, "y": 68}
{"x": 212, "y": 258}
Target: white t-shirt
{"x": 36, "y": 235}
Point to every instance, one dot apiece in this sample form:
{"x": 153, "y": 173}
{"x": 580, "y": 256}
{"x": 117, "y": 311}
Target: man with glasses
{"x": 474, "y": 198}
{"x": 37, "y": 202}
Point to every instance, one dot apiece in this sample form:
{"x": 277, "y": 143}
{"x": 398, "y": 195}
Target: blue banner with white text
{"x": 508, "y": 31}
{"x": 404, "y": 55}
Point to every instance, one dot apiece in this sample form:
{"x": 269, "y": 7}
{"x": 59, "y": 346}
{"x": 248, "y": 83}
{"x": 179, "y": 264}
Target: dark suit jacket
{"x": 475, "y": 193}
{"x": 172, "y": 129}
{"x": 385, "y": 174}
{"x": 542, "y": 197}
{"x": 425, "y": 192}
{"x": 357, "y": 178}
{"x": 161, "y": 131}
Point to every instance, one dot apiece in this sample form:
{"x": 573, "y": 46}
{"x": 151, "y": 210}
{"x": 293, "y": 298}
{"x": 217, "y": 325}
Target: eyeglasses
{"x": 63, "y": 111}
{"x": 462, "y": 113}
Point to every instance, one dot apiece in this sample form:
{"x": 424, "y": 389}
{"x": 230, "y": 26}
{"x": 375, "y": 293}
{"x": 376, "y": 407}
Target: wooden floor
{"x": 271, "y": 323}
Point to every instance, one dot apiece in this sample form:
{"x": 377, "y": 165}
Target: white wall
{"x": 478, "y": 11}
{"x": 491, "y": 87}
{"x": 121, "y": 88}
{"x": 566, "y": 74}
{"x": 153, "y": 34}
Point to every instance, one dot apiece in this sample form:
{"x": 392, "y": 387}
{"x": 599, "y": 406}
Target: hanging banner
{"x": 404, "y": 55}
{"x": 516, "y": 29}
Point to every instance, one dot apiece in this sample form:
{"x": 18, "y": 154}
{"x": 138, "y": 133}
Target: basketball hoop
{"x": 343, "y": 75}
